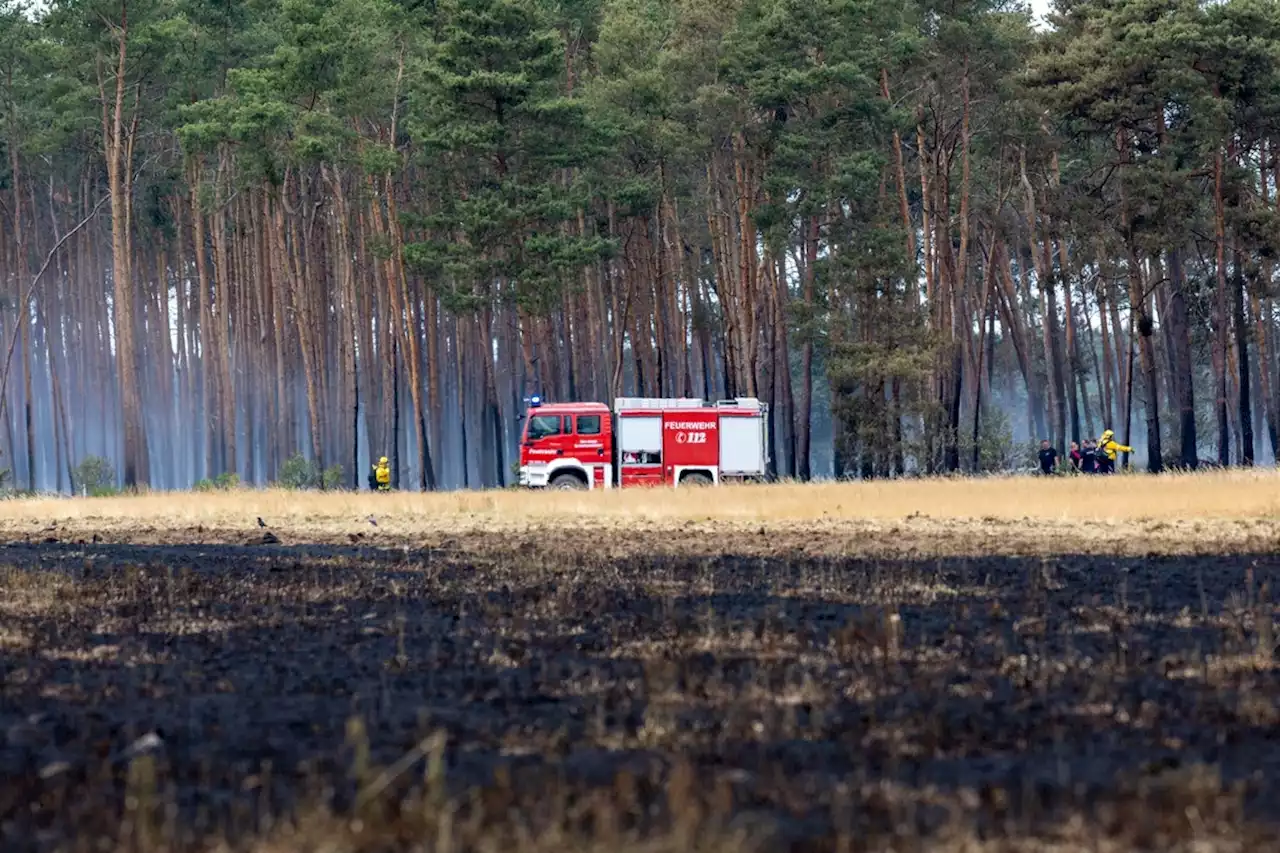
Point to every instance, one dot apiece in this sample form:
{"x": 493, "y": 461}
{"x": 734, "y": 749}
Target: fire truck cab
{"x": 643, "y": 441}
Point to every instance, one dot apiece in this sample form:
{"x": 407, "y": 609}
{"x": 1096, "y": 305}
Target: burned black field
{"x": 505, "y": 695}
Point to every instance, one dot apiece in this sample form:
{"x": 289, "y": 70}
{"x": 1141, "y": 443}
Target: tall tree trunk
{"x": 22, "y": 270}
{"x": 1141, "y": 321}
{"x": 1007, "y": 302}
{"x": 1121, "y": 339}
{"x": 1110, "y": 389}
{"x": 118, "y": 151}
{"x": 1043, "y": 264}
{"x": 1242, "y": 358}
{"x": 1091, "y": 343}
{"x": 804, "y": 417}
{"x": 55, "y": 352}
{"x": 1180, "y": 333}
{"x": 784, "y": 399}
{"x": 492, "y": 417}
{"x": 28, "y": 411}
{"x": 1220, "y": 314}
{"x": 461, "y": 346}
{"x": 1071, "y": 366}
{"x": 1261, "y": 299}
{"x": 1071, "y": 361}
{"x": 287, "y": 250}
{"x": 986, "y": 315}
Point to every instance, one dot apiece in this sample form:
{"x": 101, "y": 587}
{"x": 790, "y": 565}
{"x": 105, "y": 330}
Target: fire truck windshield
{"x": 541, "y": 426}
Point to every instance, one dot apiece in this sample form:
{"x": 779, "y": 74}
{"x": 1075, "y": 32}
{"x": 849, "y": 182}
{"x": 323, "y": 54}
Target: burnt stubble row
{"x": 518, "y": 695}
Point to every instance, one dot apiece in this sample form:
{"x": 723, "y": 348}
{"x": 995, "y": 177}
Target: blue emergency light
{"x": 535, "y": 401}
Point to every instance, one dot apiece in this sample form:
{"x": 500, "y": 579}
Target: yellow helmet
{"x": 382, "y": 461}
{"x": 1107, "y": 434}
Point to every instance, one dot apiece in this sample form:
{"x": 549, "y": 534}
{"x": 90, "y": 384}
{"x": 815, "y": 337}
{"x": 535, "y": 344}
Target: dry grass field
{"x": 1195, "y": 513}
{"x": 1006, "y": 664}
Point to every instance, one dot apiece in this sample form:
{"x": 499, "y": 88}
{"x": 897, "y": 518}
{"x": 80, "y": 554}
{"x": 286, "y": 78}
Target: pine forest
{"x": 274, "y": 240}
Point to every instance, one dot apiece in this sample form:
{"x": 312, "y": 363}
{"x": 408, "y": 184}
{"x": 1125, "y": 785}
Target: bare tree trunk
{"x": 118, "y": 151}
{"x": 1220, "y": 314}
{"x": 22, "y": 269}
{"x": 1071, "y": 362}
{"x": 1109, "y": 343}
{"x": 804, "y": 419}
{"x": 56, "y": 351}
{"x": 163, "y": 359}
{"x": 1043, "y": 263}
{"x": 493, "y": 413}
{"x": 461, "y": 346}
{"x": 1180, "y": 333}
{"x": 1092, "y": 344}
{"x": 307, "y": 344}
{"x": 1140, "y": 321}
{"x": 1070, "y": 365}
{"x": 986, "y": 316}
{"x": 904, "y": 208}
{"x": 1007, "y": 302}
{"x": 1261, "y": 299}
{"x": 1242, "y": 358}
{"x": 28, "y": 415}
{"x": 1120, "y": 338}
{"x": 292, "y": 282}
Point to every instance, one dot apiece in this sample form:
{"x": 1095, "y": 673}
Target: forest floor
{"x": 974, "y": 665}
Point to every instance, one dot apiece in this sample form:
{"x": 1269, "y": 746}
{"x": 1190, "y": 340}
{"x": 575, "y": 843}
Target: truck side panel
{"x": 742, "y": 445}
{"x": 690, "y": 440}
{"x": 640, "y": 449}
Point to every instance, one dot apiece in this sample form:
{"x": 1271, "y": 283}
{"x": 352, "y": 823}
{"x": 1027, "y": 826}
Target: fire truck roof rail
{"x": 657, "y": 403}
{"x": 740, "y": 403}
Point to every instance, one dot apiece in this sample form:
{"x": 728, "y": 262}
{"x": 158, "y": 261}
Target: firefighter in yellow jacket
{"x": 382, "y": 475}
{"x": 1108, "y": 447}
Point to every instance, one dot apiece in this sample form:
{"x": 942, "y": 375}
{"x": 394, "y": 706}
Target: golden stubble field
{"x": 989, "y": 665}
{"x": 1197, "y": 514}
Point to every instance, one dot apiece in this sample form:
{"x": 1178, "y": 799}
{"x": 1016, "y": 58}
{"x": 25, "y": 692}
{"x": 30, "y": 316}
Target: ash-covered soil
{"x": 174, "y": 694}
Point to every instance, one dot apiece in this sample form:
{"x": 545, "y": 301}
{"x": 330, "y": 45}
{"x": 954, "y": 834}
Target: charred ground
{"x": 503, "y": 691}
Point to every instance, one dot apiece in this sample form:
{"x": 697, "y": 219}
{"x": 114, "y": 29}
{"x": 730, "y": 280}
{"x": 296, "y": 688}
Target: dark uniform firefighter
{"x": 382, "y": 475}
{"x": 1108, "y": 447}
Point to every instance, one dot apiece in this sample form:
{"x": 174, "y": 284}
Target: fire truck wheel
{"x": 695, "y": 480}
{"x": 567, "y": 481}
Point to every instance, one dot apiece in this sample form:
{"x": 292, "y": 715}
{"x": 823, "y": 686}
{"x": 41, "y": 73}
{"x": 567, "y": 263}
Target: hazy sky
{"x": 1039, "y": 7}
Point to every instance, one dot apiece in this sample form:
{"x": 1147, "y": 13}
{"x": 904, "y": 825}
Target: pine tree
{"x": 491, "y": 118}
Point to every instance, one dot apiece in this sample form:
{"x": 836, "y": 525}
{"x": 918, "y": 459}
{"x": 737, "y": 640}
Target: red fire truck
{"x": 644, "y": 441}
